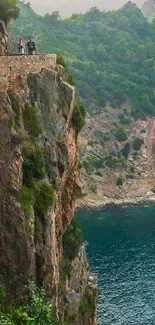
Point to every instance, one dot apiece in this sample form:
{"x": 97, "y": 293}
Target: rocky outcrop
{"x": 31, "y": 239}
{"x": 4, "y": 38}
{"x": 148, "y": 9}
{"x": 106, "y": 160}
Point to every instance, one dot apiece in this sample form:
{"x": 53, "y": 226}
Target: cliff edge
{"x": 39, "y": 186}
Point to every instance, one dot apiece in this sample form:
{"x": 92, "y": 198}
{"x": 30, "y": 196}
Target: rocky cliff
{"x": 39, "y": 186}
{"x": 148, "y": 9}
{"x": 118, "y": 162}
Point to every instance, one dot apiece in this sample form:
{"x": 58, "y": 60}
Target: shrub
{"x": 78, "y": 118}
{"x": 44, "y": 198}
{"x": 27, "y": 199}
{"x": 12, "y": 121}
{"x": 120, "y": 162}
{"x": 33, "y": 167}
{"x": 65, "y": 269}
{"x": 70, "y": 79}
{"x": 61, "y": 60}
{"x": 123, "y": 119}
{"x": 72, "y": 241}
{"x": 35, "y": 311}
{"x": 121, "y": 134}
{"x": 137, "y": 143}
{"x": 110, "y": 162}
{"x": 126, "y": 150}
{"x": 32, "y": 121}
{"x": 119, "y": 181}
{"x": 93, "y": 188}
{"x": 88, "y": 303}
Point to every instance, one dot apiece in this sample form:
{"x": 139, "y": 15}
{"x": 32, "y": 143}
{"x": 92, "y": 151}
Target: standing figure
{"x": 21, "y": 47}
{"x": 31, "y": 47}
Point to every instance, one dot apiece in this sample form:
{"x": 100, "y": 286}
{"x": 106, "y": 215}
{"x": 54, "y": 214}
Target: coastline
{"x": 110, "y": 203}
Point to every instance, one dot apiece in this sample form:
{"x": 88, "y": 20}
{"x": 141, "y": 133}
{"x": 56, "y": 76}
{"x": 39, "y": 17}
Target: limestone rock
{"x": 30, "y": 247}
{"x": 148, "y": 9}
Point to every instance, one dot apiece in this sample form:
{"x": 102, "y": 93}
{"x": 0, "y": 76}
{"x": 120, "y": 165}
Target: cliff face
{"x": 148, "y": 9}
{"x": 36, "y": 211}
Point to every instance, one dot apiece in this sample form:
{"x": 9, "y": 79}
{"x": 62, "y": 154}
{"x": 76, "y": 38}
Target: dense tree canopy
{"x": 110, "y": 54}
{"x": 8, "y": 10}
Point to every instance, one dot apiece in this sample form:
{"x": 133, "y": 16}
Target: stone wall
{"x": 15, "y": 69}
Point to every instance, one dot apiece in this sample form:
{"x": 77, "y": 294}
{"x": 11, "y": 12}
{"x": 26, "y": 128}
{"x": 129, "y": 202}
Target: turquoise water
{"x": 121, "y": 251}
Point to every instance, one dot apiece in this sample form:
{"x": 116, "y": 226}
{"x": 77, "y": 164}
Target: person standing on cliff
{"x": 31, "y": 47}
{"x": 21, "y": 47}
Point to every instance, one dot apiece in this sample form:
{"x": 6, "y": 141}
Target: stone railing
{"x": 14, "y": 69}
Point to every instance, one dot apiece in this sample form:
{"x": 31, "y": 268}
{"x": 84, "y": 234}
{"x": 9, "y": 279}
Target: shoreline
{"x": 96, "y": 205}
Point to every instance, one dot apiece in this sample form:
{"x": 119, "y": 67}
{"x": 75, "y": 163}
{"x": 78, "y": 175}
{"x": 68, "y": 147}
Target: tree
{"x": 121, "y": 134}
{"x": 8, "y": 10}
{"x": 137, "y": 143}
{"x": 119, "y": 181}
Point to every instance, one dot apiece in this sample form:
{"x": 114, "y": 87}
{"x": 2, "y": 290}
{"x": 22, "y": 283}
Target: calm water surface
{"x": 122, "y": 254}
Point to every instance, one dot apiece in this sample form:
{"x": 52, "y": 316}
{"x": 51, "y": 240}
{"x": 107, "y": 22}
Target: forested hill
{"x": 110, "y": 54}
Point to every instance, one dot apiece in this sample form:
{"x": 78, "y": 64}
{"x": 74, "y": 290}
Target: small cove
{"x": 121, "y": 250}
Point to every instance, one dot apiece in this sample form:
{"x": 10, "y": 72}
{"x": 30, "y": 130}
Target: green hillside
{"x": 110, "y": 54}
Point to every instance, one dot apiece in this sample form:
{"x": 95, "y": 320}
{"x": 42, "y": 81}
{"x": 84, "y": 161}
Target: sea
{"x": 120, "y": 244}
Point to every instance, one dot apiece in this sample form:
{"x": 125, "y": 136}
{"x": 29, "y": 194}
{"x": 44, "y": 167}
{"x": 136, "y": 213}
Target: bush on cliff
{"x": 32, "y": 121}
{"x": 33, "y": 167}
{"x": 61, "y": 60}
{"x": 88, "y": 303}
{"x": 35, "y": 311}
{"x": 44, "y": 198}
{"x": 78, "y": 118}
{"x": 27, "y": 200}
{"x": 72, "y": 240}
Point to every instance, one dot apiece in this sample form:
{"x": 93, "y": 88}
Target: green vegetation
{"x": 126, "y": 150}
{"x": 110, "y": 54}
{"x": 40, "y": 195}
{"x": 87, "y": 303}
{"x": 72, "y": 240}
{"x": 61, "y": 60}
{"x": 44, "y": 198}
{"x": 34, "y": 191}
{"x": 33, "y": 167}
{"x": 12, "y": 121}
{"x": 35, "y": 311}
{"x": 123, "y": 119}
{"x": 78, "y": 118}
{"x": 119, "y": 181}
{"x": 109, "y": 161}
{"x": 32, "y": 121}
{"x": 137, "y": 143}
{"x": 121, "y": 134}
{"x": 27, "y": 199}
{"x": 8, "y": 10}
{"x": 93, "y": 188}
